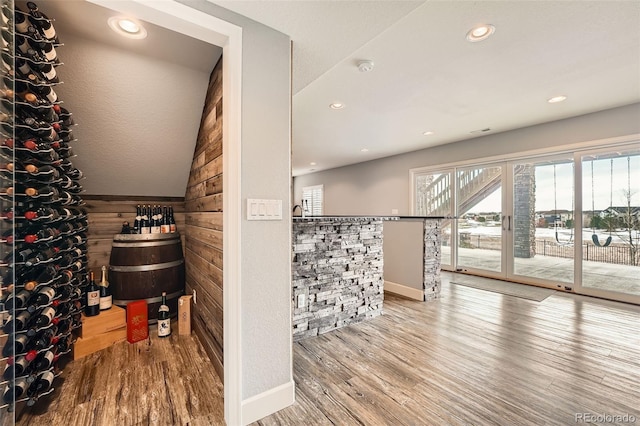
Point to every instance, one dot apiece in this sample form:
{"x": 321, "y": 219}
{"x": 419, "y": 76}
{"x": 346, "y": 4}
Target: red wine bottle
{"x": 172, "y": 221}
{"x": 165, "y": 226}
{"x": 92, "y": 306}
{"x": 14, "y": 391}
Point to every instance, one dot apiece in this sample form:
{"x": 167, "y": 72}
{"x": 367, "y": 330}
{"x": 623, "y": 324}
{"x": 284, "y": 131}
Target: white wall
{"x": 137, "y": 118}
{"x": 377, "y": 187}
{"x": 403, "y": 246}
{"x": 266, "y": 245}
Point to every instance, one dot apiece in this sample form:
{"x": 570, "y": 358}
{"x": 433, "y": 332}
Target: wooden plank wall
{"x": 106, "y": 214}
{"x": 203, "y": 225}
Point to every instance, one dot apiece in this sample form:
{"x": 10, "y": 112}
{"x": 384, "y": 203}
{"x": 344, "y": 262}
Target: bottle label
{"x": 164, "y": 327}
{"x": 93, "y": 298}
{"x": 106, "y": 302}
{"x": 145, "y": 230}
{"x": 48, "y": 313}
{"x": 23, "y": 26}
{"x": 172, "y": 227}
{"x": 49, "y": 33}
{"x": 51, "y": 55}
{"x": 165, "y": 229}
{"x": 51, "y": 74}
{"x": 155, "y": 229}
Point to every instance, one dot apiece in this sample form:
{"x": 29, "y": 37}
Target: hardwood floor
{"x": 472, "y": 357}
{"x": 152, "y": 382}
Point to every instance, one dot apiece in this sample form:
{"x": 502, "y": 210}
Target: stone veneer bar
{"x": 337, "y": 272}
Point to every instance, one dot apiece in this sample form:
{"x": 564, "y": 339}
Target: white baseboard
{"x": 403, "y": 290}
{"x": 268, "y": 402}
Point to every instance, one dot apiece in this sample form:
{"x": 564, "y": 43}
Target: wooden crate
{"x": 89, "y": 345}
{"x": 109, "y": 320}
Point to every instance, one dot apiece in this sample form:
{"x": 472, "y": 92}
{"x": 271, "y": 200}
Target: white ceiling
{"x": 427, "y": 77}
{"x": 87, "y": 20}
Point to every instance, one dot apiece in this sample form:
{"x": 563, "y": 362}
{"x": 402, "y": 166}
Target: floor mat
{"x": 512, "y": 289}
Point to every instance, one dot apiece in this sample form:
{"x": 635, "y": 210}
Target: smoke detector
{"x": 365, "y": 66}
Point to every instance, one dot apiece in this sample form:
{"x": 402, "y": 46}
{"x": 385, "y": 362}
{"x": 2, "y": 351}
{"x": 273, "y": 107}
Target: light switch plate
{"x": 259, "y": 209}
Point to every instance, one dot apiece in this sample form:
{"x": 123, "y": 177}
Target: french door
{"x": 514, "y": 220}
{"x": 568, "y": 220}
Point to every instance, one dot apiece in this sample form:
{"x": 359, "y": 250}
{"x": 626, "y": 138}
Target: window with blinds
{"x": 312, "y": 200}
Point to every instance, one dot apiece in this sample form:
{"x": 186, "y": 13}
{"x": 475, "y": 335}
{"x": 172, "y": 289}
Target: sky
{"x": 550, "y": 194}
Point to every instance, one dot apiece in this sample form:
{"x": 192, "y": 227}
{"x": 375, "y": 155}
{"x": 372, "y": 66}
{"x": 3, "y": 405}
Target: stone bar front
{"x": 337, "y": 272}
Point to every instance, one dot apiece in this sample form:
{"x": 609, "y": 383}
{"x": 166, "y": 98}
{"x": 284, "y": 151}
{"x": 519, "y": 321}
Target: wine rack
{"x": 43, "y": 223}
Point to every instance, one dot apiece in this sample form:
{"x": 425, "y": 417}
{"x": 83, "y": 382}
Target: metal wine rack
{"x": 43, "y": 247}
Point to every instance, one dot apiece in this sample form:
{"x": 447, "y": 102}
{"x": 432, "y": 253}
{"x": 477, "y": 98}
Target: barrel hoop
{"x": 149, "y": 300}
{"x": 146, "y": 244}
{"x": 150, "y": 267}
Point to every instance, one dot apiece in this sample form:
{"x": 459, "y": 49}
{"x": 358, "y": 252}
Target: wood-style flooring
{"x": 472, "y": 357}
{"x": 157, "y": 381}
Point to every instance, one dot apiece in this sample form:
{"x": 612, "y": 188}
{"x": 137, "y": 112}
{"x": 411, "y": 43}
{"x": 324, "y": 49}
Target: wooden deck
{"x": 472, "y": 357}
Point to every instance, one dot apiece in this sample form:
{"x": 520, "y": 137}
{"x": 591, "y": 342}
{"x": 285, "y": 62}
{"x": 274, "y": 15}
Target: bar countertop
{"x": 359, "y": 217}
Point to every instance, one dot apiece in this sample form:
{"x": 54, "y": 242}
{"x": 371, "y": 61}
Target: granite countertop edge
{"x": 367, "y": 217}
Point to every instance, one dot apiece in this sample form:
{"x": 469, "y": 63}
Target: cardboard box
{"x": 137, "y": 321}
{"x": 109, "y": 320}
{"x": 88, "y": 345}
{"x": 184, "y": 315}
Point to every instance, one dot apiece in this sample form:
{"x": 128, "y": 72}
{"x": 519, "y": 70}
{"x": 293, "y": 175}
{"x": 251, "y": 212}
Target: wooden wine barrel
{"x": 142, "y": 266}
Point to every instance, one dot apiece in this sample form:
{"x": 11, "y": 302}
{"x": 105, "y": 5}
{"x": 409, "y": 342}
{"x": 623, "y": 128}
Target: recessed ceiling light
{"x": 313, "y": 163}
{"x": 556, "y": 99}
{"x": 127, "y": 27}
{"x": 427, "y": 133}
{"x": 336, "y": 105}
{"x": 364, "y": 150}
{"x": 480, "y": 32}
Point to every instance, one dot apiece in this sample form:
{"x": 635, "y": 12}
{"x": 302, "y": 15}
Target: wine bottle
{"x": 42, "y": 256}
{"x": 47, "y": 29}
{"x": 17, "y": 322}
{"x": 92, "y": 306}
{"x": 16, "y": 367}
{"x": 43, "y": 361}
{"x": 17, "y": 301}
{"x": 14, "y": 391}
{"x": 41, "y": 384}
{"x": 47, "y": 275}
{"x": 172, "y": 221}
{"x": 16, "y": 344}
{"x": 164, "y": 322}
{"x": 144, "y": 222}
{"x": 21, "y": 22}
{"x": 155, "y": 226}
{"x": 165, "y": 226}
{"x": 43, "y": 296}
{"x": 48, "y": 71}
{"x": 136, "y": 222}
{"x": 105, "y": 291}
{"x": 44, "y": 317}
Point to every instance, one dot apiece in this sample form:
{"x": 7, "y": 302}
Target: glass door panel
{"x": 479, "y": 211}
{"x": 611, "y": 216}
{"x": 542, "y": 233}
{"x": 434, "y": 197}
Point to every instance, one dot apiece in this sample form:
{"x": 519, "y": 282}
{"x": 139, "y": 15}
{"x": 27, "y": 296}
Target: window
{"x": 312, "y": 200}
